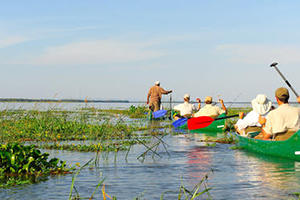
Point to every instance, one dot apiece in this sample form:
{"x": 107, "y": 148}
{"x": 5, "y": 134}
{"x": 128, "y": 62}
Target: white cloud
{"x": 7, "y": 41}
{"x": 93, "y": 52}
{"x": 254, "y": 54}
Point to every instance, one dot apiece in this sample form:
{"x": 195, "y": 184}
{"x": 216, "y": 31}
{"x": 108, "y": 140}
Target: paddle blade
{"x": 179, "y": 122}
{"x": 159, "y": 113}
{"x": 199, "y": 122}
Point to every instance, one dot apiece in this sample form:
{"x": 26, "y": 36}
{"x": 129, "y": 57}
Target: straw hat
{"x": 261, "y": 104}
{"x": 208, "y": 99}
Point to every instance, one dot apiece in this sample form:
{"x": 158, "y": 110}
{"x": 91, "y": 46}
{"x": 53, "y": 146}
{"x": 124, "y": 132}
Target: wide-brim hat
{"x": 261, "y": 104}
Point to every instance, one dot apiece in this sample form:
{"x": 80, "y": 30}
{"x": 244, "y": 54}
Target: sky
{"x": 104, "y": 50}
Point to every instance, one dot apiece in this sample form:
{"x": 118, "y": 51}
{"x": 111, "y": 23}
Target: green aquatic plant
{"x": 13, "y": 181}
{"x": 77, "y": 196}
{"x": 137, "y": 112}
{"x": 19, "y": 164}
{"x": 105, "y": 146}
{"x": 210, "y": 144}
{"x": 19, "y": 159}
{"x": 187, "y": 194}
{"x": 61, "y": 125}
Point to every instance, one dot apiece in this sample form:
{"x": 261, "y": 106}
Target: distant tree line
{"x": 61, "y": 100}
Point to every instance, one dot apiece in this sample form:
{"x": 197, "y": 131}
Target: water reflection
{"x": 276, "y": 173}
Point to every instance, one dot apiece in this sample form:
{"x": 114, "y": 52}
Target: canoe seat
{"x": 283, "y": 136}
{"x": 214, "y": 116}
{"x": 252, "y": 131}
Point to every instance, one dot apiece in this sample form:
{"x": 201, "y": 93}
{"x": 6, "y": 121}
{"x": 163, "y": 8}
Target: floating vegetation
{"x": 17, "y": 159}
{"x": 108, "y": 146}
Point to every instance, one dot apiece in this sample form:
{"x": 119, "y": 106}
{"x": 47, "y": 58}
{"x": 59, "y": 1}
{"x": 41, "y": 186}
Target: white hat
{"x": 157, "y": 82}
{"x": 261, "y": 104}
{"x": 186, "y": 96}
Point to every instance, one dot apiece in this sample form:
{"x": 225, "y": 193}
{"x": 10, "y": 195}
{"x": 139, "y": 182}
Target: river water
{"x": 237, "y": 174}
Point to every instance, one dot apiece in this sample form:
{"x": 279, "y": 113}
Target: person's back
{"x": 211, "y": 110}
{"x": 155, "y": 93}
{"x": 186, "y": 108}
{"x": 282, "y": 119}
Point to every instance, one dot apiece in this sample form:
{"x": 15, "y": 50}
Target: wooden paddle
{"x": 203, "y": 121}
{"x": 286, "y": 81}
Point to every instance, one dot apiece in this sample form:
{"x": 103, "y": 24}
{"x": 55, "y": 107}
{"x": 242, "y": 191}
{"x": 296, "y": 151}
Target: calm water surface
{"x": 237, "y": 174}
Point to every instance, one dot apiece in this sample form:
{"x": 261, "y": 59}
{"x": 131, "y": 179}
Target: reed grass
{"x": 35, "y": 125}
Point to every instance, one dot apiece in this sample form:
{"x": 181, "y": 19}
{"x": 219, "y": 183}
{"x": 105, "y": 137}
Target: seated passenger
{"x": 186, "y": 108}
{"x": 283, "y": 119}
{"x": 211, "y": 110}
{"x": 261, "y": 106}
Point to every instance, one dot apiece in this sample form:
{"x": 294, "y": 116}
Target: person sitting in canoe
{"x": 283, "y": 121}
{"x": 155, "y": 94}
{"x": 211, "y": 110}
{"x": 261, "y": 106}
{"x": 186, "y": 108}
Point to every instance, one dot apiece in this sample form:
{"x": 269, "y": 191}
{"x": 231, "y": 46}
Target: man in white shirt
{"x": 186, "y": 108}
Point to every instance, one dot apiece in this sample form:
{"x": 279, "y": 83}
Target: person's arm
{"x": 240, "y": 132}
{"x": 266, "y": 126}
{"x": 223, "y": 106}
{"x": 148, "y": 96}
{"x": 262, "y": 120}
{"x": 165, "y": 91}
{"x": 199, "y": 103}
{"x": 298, "y": 99}
{"x": 266, "y": 135}
{"x": 241, "y": 115}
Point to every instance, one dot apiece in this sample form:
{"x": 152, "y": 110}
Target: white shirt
{"x": 185, "y": 108}
{"x": 283, "y": 118}
{"x": 251, "y": 119}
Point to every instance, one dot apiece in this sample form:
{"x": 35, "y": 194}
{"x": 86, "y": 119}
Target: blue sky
{"x": 118, "y": 49}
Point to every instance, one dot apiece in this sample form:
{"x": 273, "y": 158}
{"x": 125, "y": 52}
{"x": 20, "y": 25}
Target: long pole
{"x": 170, "y": 106}
{"x": 286, "y": 81}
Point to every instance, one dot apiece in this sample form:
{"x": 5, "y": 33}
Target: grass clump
{"x": 60, "y": 125}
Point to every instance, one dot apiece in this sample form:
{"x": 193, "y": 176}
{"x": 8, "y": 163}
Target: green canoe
{"x": 215, "y": 126}
{"x": 289, "y": 148}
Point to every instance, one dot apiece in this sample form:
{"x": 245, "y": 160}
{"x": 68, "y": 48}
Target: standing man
{"x": 155, "y": 94}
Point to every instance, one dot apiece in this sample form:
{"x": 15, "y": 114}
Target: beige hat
{"x": 208, "y": 99}
{"x": 282, "y": 92}
{"x": 157, "y": 82}
{"x": 261, "y": 104}
{"x": 186, "y": 96}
